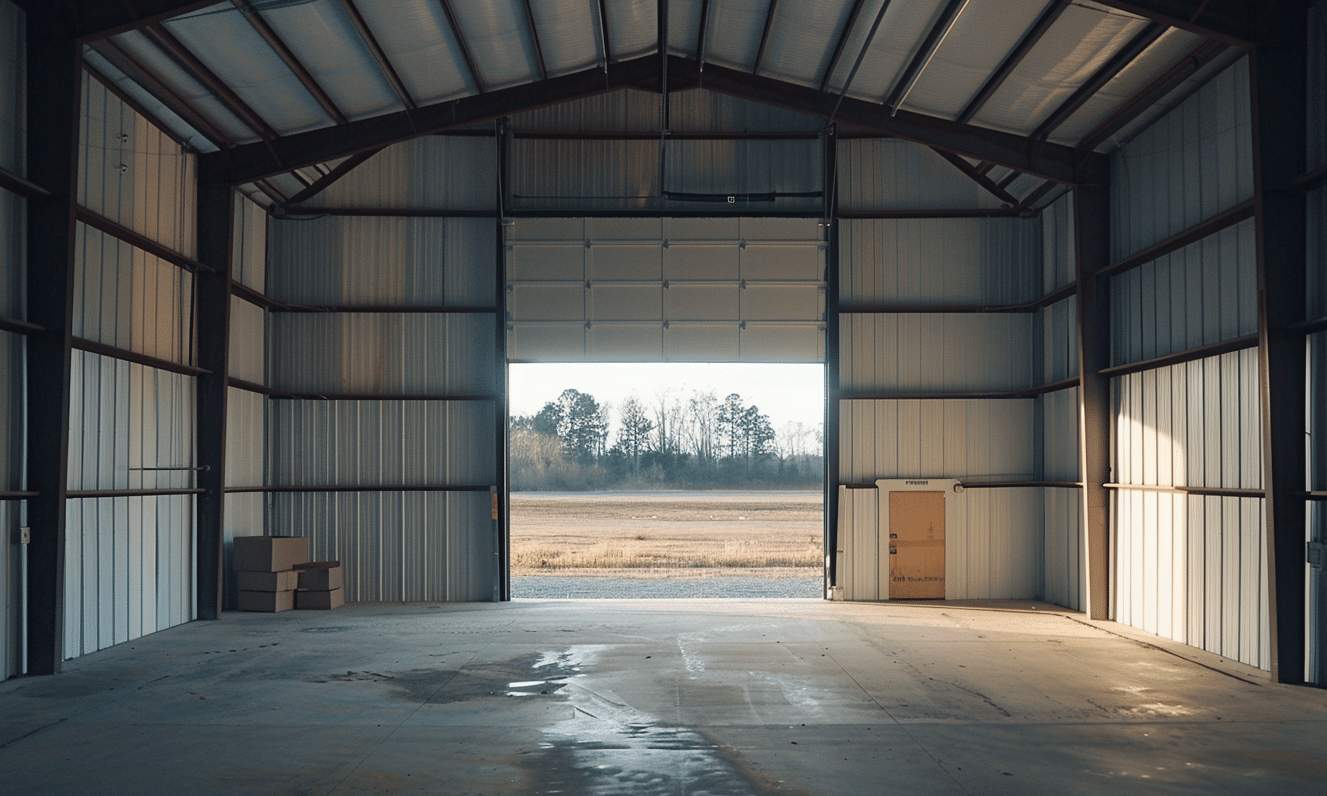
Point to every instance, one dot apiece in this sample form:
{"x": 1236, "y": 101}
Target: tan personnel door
{"x": 916, "y": 545}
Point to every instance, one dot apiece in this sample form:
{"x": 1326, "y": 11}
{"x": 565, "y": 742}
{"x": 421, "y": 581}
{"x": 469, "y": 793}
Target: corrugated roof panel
{"x": 1075, "y": 47}
{"x": 633, "y": 28}
{"x": 734, "y": 30}
{"x": 420, "y": 44}
{"x": 1164, "y": 53}
{"x": 900, "y": 35}
{"x": 228, "y": 45}
{"x": 802, "y": 39}
{"x": 683, "y": 27}
{"x": 568, "y": 36}
{"x": 982, "y": 36}
{"x": 498, "y": 38}
{"x": 323, "y": 38}
{"x": 191, "y": 91}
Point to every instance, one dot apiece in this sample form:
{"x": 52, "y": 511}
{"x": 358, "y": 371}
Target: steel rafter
{"x": 460, "y": 42}
{"x": 934, "y": 37}
{"x": 534, "y": 36}
{"x": 321, "y": 184}
{"x": 186, "y": 60}
{"x": 604, "y": 39}
{"x": 842, "y": 43}
{"x": 1136, "y": 46}
{"x": 998, "y": 191}
{"x": 1012, "y": 60}
{"x": 764, "y": 36}
{"x": 384, "y": 63}
{"x": 700, "y": 36}
{"x": 292, "y": 63}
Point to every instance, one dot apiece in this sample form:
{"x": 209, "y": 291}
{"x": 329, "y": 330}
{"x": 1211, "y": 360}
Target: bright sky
{"x": 786, "y": 393}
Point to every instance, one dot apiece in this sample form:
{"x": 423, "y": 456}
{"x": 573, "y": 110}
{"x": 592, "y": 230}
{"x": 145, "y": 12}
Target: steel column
{"x": 833, "y": 387}
{"x": 1278, "y": 92}
{"x": 501, "y": 409}
{"x": 54, "y": 74}
{"x": 215, "y": 220}
{"x": 1092, "y": 254}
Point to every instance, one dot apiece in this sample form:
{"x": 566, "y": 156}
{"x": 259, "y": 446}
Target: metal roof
{"x": 275, "y": 92}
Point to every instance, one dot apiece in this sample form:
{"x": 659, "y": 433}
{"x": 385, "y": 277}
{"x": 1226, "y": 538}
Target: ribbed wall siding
{"x": 958, "y": 438}
{"x": 399, "y": 546}
{"x": 1063, "y": 575}
{"x": 13, "y": 79}
{"x": 858, "y": 554}
{"x": 1205, "y": 293}
{"x": 13, "y": 246}
{"x": 939, "y": 261}
{"x": 123, "y": 417}
{"x": 446, "y": 173}
{"x": 695, "y": 110}
{"x": 128, "y": 569}
{"x": 1193, "y": 569}
{"x": 11, "y": 412}
{"x": 11, "y": 594}
{"x": 248, "y": 341}
{"x": 993, "y": 545}
{"x": 1059, "y": 340}
{"x": 1192, "y": 424}
{"x": 125, "y": 297}
{"x": 1060, "y": 459}
{"x": 936, "y": 352}
{"x": 249, "y": 244}
{"x": 1193, "y": 163}
{"x": 382, "y": 354}
{"x": 246, "y": 426}
{"x": 381, "y": 443}
{"x": 134, "y": 174}
{"x": 1057, "y": 235}
{"x": 1317, "y": 510}
{"x": 341, "y": 260}
{"x": 891, "y": 174}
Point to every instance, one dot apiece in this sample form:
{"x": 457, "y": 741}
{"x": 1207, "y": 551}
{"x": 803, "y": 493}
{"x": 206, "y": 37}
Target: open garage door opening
{"x": 666, "y": 480}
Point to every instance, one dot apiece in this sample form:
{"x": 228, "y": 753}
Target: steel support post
{"x": 502, "y": 498}
{"x": 1278, "y": 92}
{"x": 833, "y": 388}
{"x": 212, "y": 316}
{"x": 54, "y": 74}
{"x": 1092, "y": 253}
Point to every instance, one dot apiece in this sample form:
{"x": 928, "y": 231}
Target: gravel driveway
{"x": 653, "y": 588}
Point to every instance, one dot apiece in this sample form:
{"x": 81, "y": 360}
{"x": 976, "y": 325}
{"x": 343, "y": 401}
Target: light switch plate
{"x": 23, "y": 535}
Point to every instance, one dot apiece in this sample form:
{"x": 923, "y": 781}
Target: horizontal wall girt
{"x": 1180, "y": 357}
{"x": 1206, "y": 228}
{"x": 114, "y": 352}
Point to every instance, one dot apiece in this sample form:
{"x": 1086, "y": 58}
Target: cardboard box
{"x": 270, "y": 601}
{"x": 319, "y": 575}
{"x": 319, "y": 600}
{"x": 286, "y": 580}
{"x": 269, "y": 553}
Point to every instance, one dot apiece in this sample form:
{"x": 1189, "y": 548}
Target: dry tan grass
{"x": 667, "y": 534}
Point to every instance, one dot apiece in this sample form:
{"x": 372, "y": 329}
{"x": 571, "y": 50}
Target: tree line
{"x": 671, "y": 442}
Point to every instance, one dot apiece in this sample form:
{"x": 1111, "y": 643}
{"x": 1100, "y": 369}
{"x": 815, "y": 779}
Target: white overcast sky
{"x": 786, "y": 393}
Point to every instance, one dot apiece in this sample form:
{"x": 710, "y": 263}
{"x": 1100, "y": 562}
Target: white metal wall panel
{"x": 939, "y": 261}
{"x": 249, "y": 244}
{"x": 128, "y": 569}
{"x": 129, "y": 299}
{"x": 1057, "y": 235}
{"x": 1193, "y": 163}
{"x": 382, "y": 354}
{"x": 1192, "y": 568}
{"x": 135, "y": 174}
{"x": 936, "y": 352}
{"x": 124, "y": 417}
{"x": 339, "y": 260}
{"x": 399, "y": 546}
{"x": 248, "y": 341}
{"x": 246, "y": 438}
{"x": 446, "y": 173}
{"x": 1205, "y": 293}
{"x": 1059, "y": 435}
{"x": 994, "y": 545}
{"x": 13, "y": 82}
{"x": 858, "y": 563}
{"x": 11, "y": 596}
{"x": 959, "y": 438}
{"x": 1192, "y": 424}
{"x": 891, "y": 174}
{"x": 1063, "y": 577}
{"x": 381, "y": 443}
{"x": 1059, "y": 340}
{"x": 12, "y": 415}
{"x": 13, "y": 248}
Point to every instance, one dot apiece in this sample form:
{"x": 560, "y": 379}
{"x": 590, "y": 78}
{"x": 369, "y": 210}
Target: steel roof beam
{"x": 384, "y": 63}
{"x": 700, "y": 37}
{"x": 843, "y": 42}
{"x": 934, "y": 37}
{"x": 292, "y": 63}
{"x": 1136, "y": 46}
{"x": 603, "y": 33}
{"x": 534, "y": 36}
{"x": 1012, "y": 60}
{"x": 183, "y": 57}
{"x": 460, "y": 42}
{"x": 249, "y": 162}
{"x": 1227, "y": 21}
{"x": 764, "y": 37}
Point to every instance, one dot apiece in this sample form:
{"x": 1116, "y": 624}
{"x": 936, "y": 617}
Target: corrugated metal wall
{"x": 1190, "y": 567}
{"x": 890, "y": 174}
{"x": 446, "y": 173}
{"x": 129, "y": 560}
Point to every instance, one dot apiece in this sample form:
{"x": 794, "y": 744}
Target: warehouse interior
{"x": 265, "y": 265}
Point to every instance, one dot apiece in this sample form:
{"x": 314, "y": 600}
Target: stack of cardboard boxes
{"x": 274, "y": 574}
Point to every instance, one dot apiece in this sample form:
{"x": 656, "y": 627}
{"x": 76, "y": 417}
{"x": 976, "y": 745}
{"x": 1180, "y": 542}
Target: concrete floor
{"x": 658, "y": 697}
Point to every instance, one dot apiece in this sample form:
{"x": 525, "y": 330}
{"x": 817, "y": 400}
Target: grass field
{"x": 666, "y": 534}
